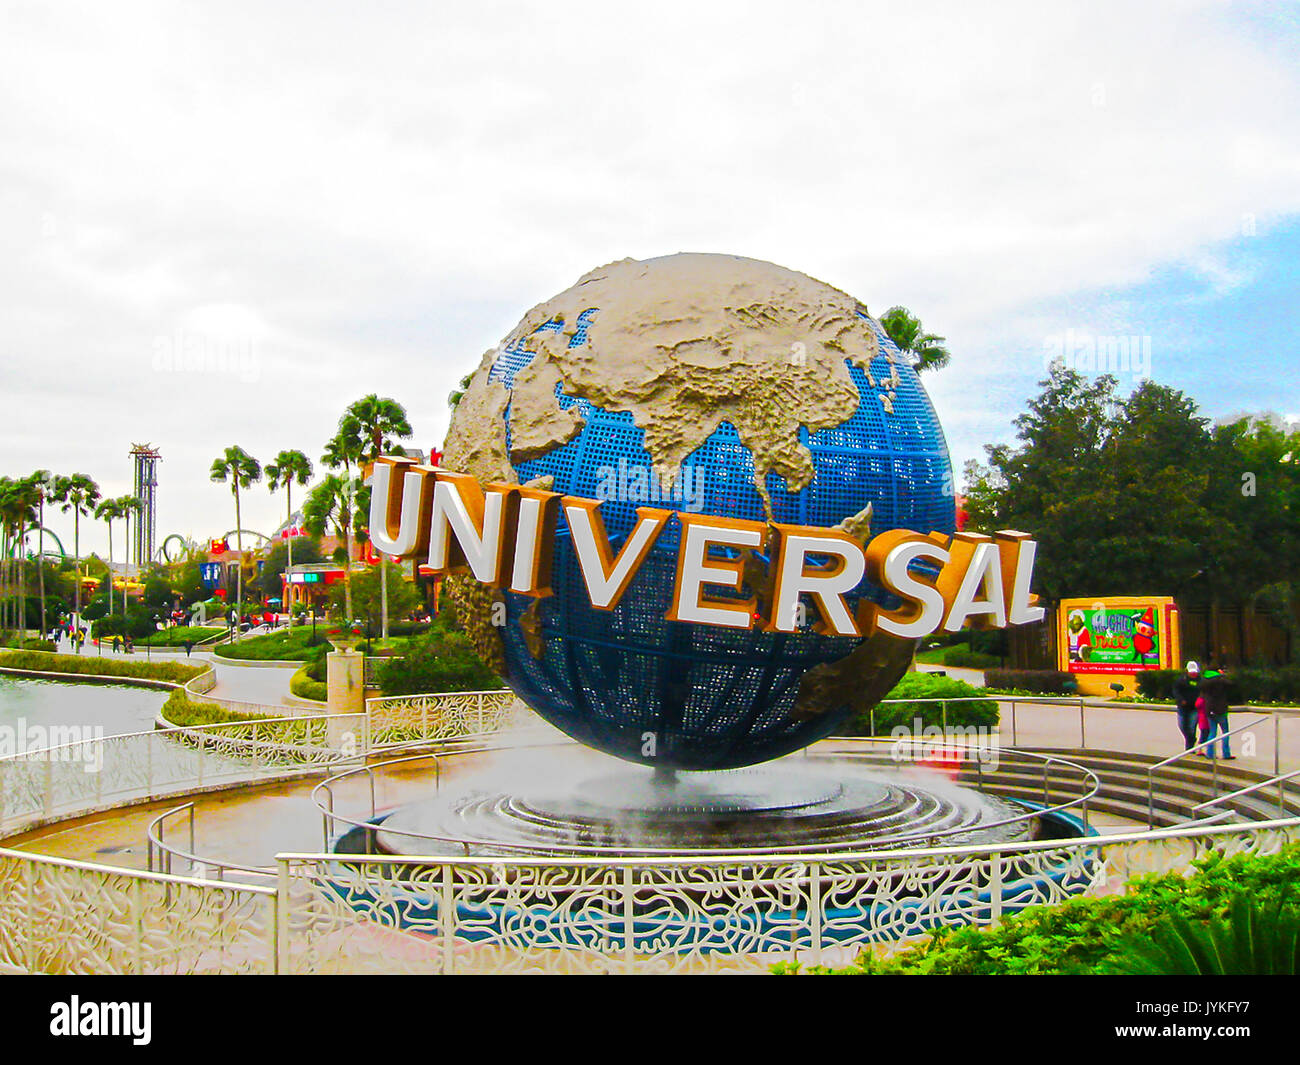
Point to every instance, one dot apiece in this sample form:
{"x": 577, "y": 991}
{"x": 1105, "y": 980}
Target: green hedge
{"x": 305, "y": 686}
{"x": 32, "y": 645}
{"x": 1096, "y": 935}
{"x": 916, "y": 686}
{"x": 283, "y": 645}
{"x": 1251, "y": 684}
{"x": 41, "y": 661}
{"x": 267, "y": 728}
{"x": 960, "y": 659}
{"x": 1039, "y": 681}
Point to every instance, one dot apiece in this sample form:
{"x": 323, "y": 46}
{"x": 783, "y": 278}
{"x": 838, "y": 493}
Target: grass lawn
{"x": 934, "y": 656}
{"x": 177, "y": 636}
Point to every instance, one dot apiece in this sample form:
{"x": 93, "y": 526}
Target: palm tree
{"x": 242, "y": 470}
{"x": 905, "y": 330}
{"x": 108, "y": 511}
{"x": 128, "y": 505}
{"x": 20, "y": 503}
{"x": 78, "y": 494}
{"x": 342, "y": 450}
{"x": 380, "y": 424}
{"x": 11, "y": 505}
{"x": 43, "y": 481}
{"x": 289, "y": 466}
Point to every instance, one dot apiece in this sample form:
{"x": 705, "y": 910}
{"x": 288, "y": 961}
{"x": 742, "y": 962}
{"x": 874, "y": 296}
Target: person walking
{"x": 1214, "y": 697}
{"x": 1187, "y": 690}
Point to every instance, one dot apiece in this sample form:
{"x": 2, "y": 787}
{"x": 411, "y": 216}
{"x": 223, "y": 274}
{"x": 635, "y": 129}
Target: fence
{"x": 335, "y": 913}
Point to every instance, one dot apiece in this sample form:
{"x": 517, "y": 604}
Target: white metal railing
{"x": 328, "y": 912}
{"x": 399, "y": 718}
{"x": 419, "y": 915}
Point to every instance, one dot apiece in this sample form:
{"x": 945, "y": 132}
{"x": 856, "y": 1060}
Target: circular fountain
{"x": 798, "y": 805}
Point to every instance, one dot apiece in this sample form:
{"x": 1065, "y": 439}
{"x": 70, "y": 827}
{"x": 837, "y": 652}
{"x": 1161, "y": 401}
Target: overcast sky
{"x": 221, "y": 223}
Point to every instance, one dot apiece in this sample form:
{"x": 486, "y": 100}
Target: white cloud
{"x": 368, "y": 198}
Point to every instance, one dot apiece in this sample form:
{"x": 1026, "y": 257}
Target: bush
{"x": 1097, "y": 934}
{"x": 960, "y": 659}
{"x": 1247, "y": 685}
{"x": 138, "y": 624}
{"x": 438, "y": 662}
{"x": 306, "y": 686}
{"x": 1038, "y": 681}
{"x": 916, "y": 686}
{"x": 94, "y": 665}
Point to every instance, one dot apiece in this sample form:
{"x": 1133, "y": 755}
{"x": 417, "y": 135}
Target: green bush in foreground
{"x": 1100, "y": 935}
{"x": 1251, "y": 941}
{"x": 918, "y": 686}
{"x": 94, "y": 665}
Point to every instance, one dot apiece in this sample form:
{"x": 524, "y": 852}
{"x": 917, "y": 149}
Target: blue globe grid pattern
{"x": 713, "y": 698}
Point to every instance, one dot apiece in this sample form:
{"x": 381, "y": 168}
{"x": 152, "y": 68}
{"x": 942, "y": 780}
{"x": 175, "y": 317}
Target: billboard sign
{"x": 1124, "y": 635}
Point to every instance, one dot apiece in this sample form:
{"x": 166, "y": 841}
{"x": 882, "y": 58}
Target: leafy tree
{"x": 380, "y": 424}
{"x": 288, "y": 467}
{"x": 368, "y": 595}
{"x": 438, "y": 662}
{"x": 307, "y": 551}
{"x": 242, "y": 471}
{"x": 906, "y": 331}
{"x": 79, "y": 494}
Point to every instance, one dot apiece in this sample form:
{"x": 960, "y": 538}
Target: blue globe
{"x": 694, "y": 697}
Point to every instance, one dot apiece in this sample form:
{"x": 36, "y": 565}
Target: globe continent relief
{"x": 705, "y": 384}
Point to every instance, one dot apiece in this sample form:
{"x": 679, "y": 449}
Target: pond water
{"x": 115, "y": 708}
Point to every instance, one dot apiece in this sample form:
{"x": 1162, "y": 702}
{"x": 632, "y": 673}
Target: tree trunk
{"x": 76, "y": 551}
{"x": 239, "y": 567}
{"x": 347, "y": 569}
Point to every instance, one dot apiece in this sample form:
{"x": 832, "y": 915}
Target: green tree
{"x": 78, "y": 494}
{"x": 1113, "y": 489}
{"x": 368, "y": 597}
{"x": 381, "y": 423}
{"x": 438, "y": 662}
{"x": 288, "y": 467}
{"x": 343, "y": 451}
{"x": 307, "y": 551}
{"x": 242, "y": 471}
{"x": 109, "y": 511}
{"x": 906, "y": 331}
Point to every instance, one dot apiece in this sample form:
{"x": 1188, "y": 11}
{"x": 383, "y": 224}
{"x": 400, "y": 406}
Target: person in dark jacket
{"x": 1187, "y": 690}
{"x": 1214, "y": 693}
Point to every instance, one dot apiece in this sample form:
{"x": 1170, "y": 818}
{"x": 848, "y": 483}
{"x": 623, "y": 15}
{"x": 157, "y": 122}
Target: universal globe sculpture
{"x": 698, "y": 383}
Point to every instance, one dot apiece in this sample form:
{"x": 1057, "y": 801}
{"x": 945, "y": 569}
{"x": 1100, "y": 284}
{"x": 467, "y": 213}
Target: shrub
{"x": 1040, "y": 681}
{"x": 960, "y": 659}
{"x": 438, "y": 662}
{"x": 1157, "y": 683}
{"x": 138, "y": 624}
{"x": 306, "y": 686}
{"x": 917, "y": 686}
{"x": 1255, "y": 684}
{"x": 94, "y": 665}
